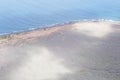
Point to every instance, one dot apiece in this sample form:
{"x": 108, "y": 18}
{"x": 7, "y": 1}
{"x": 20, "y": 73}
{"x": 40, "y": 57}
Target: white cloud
{"x": 99, "y": 30}
{"x": 41, "y": 64}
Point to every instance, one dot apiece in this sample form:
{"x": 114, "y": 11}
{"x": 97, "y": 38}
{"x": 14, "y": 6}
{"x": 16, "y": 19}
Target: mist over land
{"x": 76, "y": 51}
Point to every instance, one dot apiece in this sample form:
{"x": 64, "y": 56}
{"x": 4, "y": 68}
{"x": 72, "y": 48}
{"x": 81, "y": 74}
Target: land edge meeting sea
{"x": 5, "y": 37}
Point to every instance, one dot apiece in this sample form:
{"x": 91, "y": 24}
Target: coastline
{"x": 47, "y": 30}
{"x": 61, "y": 24}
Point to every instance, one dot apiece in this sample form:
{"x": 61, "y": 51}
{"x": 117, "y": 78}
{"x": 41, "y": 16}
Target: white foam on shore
{"x": 41, "y": 64}
{"x": 99, "y": 30}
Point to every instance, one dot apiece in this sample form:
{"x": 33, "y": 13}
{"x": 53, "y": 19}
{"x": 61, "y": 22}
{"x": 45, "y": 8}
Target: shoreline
{"x": 38, "y": 32}
{"x": 60, "y": 24}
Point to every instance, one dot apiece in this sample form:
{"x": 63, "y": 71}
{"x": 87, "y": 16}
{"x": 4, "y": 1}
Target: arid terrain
{"x": 76, "y": 51}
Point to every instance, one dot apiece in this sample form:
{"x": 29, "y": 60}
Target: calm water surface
{"x": 17, "y": 15}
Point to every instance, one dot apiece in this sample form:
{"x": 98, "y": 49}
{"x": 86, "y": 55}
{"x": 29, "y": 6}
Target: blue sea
{"x": 22, "y": 15}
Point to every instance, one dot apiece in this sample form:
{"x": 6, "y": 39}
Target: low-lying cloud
{"x": 98, "y": 30}
{"x": 40, "y": 64}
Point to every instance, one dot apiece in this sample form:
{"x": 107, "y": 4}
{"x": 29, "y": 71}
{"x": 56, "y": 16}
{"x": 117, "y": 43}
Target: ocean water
{"x": 22, "y": 15}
